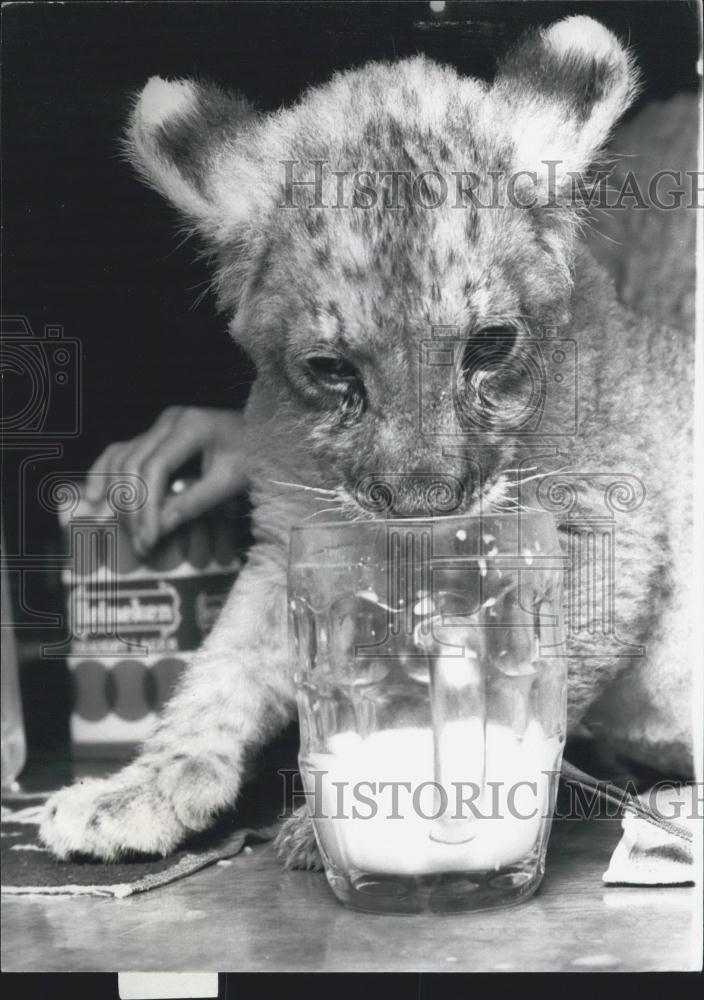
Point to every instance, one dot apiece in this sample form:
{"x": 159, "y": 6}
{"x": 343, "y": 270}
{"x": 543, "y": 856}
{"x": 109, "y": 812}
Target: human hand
{"x": 181, "y": 433}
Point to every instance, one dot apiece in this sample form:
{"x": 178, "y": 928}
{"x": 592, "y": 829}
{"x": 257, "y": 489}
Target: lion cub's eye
{"x": 332, "y": 370}
{"x": 338, "y": 381}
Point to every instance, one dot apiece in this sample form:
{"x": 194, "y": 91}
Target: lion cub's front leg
{"x": 235, "y": 693}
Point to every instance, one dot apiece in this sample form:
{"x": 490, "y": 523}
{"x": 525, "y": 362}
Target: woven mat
{"x": 29, "y": 868}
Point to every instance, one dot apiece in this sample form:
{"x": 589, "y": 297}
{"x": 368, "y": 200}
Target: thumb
{"x": 204, "y": 494}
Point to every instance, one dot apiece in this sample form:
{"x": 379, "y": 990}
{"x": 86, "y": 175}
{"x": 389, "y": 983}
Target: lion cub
{"x": 396, "y": 201}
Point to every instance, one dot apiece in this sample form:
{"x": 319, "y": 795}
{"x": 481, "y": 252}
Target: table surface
{"x": 250, "y": 915}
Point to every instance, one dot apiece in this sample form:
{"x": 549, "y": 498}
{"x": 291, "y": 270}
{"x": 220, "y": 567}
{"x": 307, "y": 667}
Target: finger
{"x": 97, "y": 472}
{"x": 185, "y": 442}
{"x": 131, "y": 462}
{"x": 218, "y": 485}
{"x": 148, "y": 449}
{"x": 103, "y": 470}
{"x": 119, "y": 466}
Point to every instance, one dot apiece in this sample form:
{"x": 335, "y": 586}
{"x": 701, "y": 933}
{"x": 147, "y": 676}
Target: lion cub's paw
{"x": 109, "y": 818}
{"x": 295, "y": 843}
{"x": 147, "y": 809}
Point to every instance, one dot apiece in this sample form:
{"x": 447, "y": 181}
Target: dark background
{"x": 87, "y": 247}
{"x": 372, "y": 986}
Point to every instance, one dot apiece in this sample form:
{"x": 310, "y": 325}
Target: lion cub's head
{"x": 390, "y": 246}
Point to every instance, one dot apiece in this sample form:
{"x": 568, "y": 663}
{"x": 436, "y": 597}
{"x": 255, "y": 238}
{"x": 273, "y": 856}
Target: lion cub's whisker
{"x": 302, "y": 486}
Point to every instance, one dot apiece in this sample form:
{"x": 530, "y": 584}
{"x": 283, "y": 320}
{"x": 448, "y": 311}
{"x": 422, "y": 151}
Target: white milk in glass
{"x": 498, "y": 798}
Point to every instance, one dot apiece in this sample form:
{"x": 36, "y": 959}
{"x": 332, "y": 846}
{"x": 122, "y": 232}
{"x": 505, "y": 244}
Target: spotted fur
{"x": 367, "y": 283}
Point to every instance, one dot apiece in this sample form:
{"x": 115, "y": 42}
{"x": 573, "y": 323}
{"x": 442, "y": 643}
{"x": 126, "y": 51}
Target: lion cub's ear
{"x": 189, "y": 141}
{"x": 565, "y": 87}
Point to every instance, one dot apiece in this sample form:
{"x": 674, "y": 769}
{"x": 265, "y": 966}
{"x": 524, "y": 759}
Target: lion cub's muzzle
{"x": 410, "y": 494}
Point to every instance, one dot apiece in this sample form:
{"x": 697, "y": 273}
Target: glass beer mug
{"x": 431, "y": 684}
